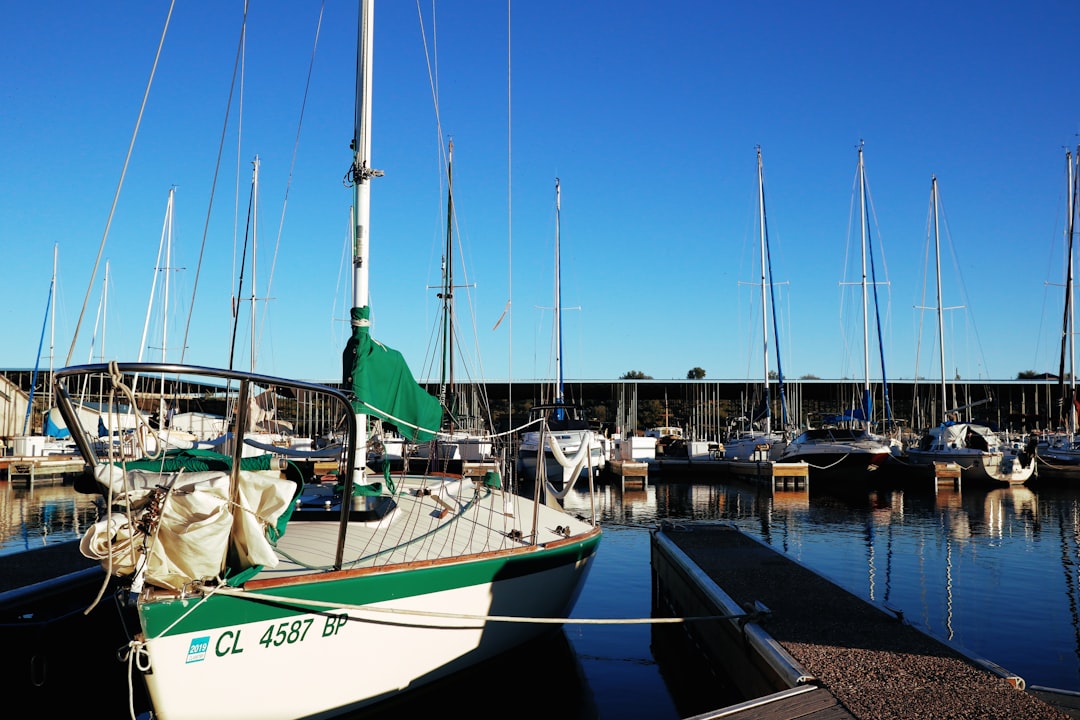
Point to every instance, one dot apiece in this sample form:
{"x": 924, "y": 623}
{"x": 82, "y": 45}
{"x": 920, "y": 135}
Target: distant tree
{"x": 635, "y": 375}
{"x": 651, "y": 413}
{"x": 1027, "y": 375}
{"x": 809, "y": 376}
{"x": 695, "y": 373}
{"x": 773, "y": 375}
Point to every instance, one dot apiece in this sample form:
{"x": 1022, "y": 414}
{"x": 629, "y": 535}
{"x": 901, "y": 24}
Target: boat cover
{"x": 200, "y": 533}
{"x": 383, "y": 385}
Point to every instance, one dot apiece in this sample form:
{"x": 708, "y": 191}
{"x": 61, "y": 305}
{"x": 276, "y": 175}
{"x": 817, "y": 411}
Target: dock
{"x": 947, "y": 473}
{"x": 36, "y": 470}
{"x": 800, "y": 646}
{"x": 634, "y": 473}
{"x": 778, "y": 474}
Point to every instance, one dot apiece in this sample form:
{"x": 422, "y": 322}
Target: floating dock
{"x": 39, "y": 470}
{"x": 630, "y": 472}
{"x": 799, "y": 646}
{"x": 779, "y": 474}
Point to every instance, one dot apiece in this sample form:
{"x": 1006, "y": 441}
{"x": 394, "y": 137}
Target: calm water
{"x": 995, "y": 572}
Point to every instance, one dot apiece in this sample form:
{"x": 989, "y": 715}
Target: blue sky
{"x": 648, "y": 113}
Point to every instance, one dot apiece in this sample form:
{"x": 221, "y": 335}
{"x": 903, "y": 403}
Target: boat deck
{"x": 812, "y": 632}
{"x": 442, "y": 520}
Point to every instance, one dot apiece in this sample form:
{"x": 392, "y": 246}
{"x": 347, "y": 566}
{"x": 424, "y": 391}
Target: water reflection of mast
{"x": 948, "y": 587}
{"x": 870, "y": 570}
{"x": 887, "y": 513}
{"x": 1069, "y": 560}
{"x": 955, "y": 523}
{"x": 889, "y": 559}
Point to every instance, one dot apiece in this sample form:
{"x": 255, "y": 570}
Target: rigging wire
{"x": 292, "y": 165}
{"x": 213, "y": 185}
{"x": 431, "y": 55}
{"x": 235, "y": 299}
{"x": 509, "y": 232}
{"x": 120, "y": 183}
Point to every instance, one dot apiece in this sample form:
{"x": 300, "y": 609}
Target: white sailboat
{"x": 396, "y": 582}
{"x": 979, "y": 452}
{"x": 1059, "y": 452}
{"x": 565, "y": 447}
{"x": 108, "y": 423}
{"x": 844, "y": 444}
{"x": 465, "y": 436}
{"x": 54, "y": 439}
{"x": 761, "y": 441}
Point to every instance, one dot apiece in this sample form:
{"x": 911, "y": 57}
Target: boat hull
{"x": 755, "y": 447}
{"x": 990, "y": 468}
{"x": 825, "y": 463}
{"x": 553, "y": 470}
{"x": 557, "y": 466}
{"x": 835, "y": 453}
{"x": 374, "y": 624}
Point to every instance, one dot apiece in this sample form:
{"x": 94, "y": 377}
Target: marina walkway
{"x": 875, "y": 665}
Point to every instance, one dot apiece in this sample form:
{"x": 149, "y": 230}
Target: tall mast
{"x": 104, "y": 308}
{"x": 446, "y": 391}
{"x": 168, "y": 270}
{"x": 254, "y": 251}
{"x": 1068, "y": 400}
{"x": 37, "y": 362}
{"x": 865, "y": 302}
{"x": 165, "y": 305}
{"x": 52, "y": 330}
{"x": 764, "y": 297}
{"x": 361, "y": 173}
{"x": 559, "y": 396}
{"x": 164, "y": 248}
{"x": 1074, "y": 178}
{"x": 940, "y": 306}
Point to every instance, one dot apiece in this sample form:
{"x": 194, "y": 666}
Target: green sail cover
{"x": 383, "y": 385}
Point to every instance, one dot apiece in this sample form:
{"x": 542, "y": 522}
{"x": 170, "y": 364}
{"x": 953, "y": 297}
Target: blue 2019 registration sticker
{"x": 197, "y": 650}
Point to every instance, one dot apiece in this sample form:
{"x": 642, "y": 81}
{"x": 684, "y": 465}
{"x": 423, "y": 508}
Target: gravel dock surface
{"x": 878, "y": 667}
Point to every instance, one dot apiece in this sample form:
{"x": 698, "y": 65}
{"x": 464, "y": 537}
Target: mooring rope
{"x": 303, "y": 602}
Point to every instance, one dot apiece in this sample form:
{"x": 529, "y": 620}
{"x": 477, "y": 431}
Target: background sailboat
{"x": 762, "y": 441}
{"x": 1059, "y": 452}
{"x": 565, "y": 447}
{"x": 465, "y": 435}
{"x": 979, "y": 452}
{"x": 844, "y": 444}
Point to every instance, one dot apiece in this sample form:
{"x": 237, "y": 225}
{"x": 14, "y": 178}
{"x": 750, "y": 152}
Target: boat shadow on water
{"x": 62, "y": 648}
{"x": 509, "y": 681}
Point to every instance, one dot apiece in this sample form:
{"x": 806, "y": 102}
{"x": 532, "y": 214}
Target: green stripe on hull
{"x": 222, "y": 610}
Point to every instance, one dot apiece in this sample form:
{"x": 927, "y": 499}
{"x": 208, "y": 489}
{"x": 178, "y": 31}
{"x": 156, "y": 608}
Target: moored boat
{"x": 837, "y": 451}
{"x": 395, "y": 581}
{"x": 758, "y": 440}
{"x": 563, "y": 446}
{"x": 978, "y": 451}
{"x": 845, "y": 443}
